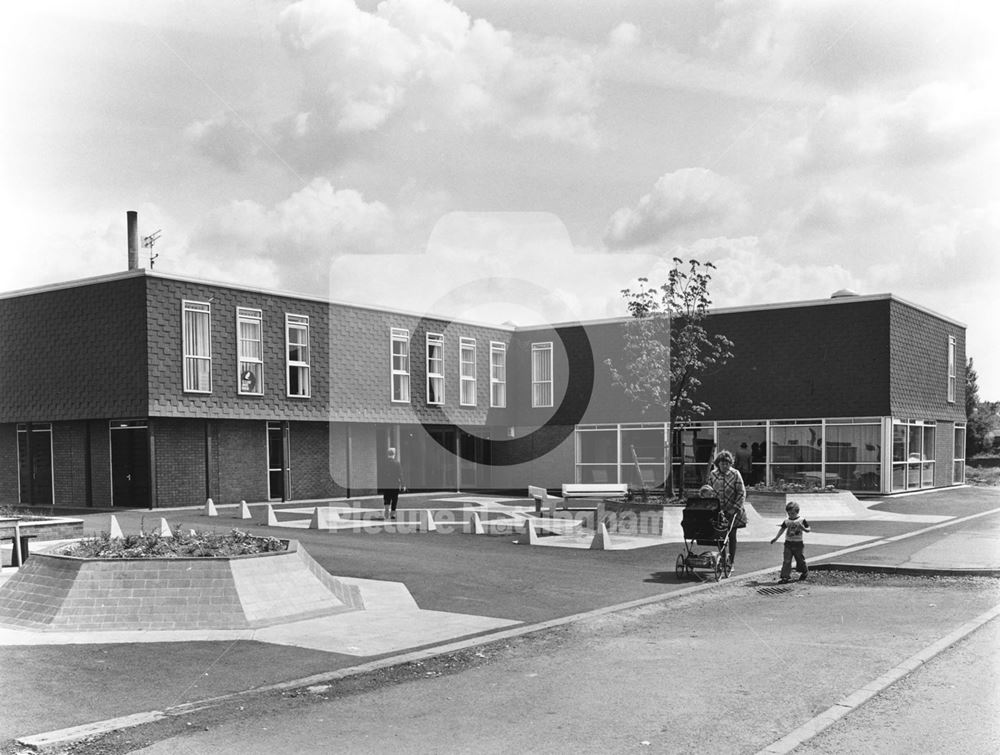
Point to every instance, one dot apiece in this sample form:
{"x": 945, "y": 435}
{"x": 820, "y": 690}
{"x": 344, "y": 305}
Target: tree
{"x": 666, "y": 347}
{"x": 982, "y": 420}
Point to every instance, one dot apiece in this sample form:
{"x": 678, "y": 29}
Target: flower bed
{"x": 193, "y": 544}
{"x": 780, "y": 486}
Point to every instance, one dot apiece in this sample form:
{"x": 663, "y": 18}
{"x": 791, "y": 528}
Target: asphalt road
{"x": 59, "y": 686}
{"x": 730, "y": 669}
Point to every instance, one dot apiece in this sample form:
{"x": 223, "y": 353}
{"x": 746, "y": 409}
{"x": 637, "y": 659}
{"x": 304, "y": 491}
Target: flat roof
{"x": 142, "y": 272}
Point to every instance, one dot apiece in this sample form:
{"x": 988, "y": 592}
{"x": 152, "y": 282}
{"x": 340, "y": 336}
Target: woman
{"x": 729, "y": 489}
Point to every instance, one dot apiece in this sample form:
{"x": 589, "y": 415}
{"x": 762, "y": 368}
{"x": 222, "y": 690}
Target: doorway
{"x": 130, "y": 466}
{"x": 34, "y": 457}
{"x": 276, "y": 462}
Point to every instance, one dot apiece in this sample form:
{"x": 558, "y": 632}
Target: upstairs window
{"x": 498, "y": 374}
{"x": 250, "y": 360}
{"x": 541, "y": 374}
{"x": 197, "y": 337}
{"x": 467, "y": 365}
{"x": 951, "y": 369}
{"x": 400, "y": 360}
{"x": 297, "y": 350}
{"x": 435, "y": 368}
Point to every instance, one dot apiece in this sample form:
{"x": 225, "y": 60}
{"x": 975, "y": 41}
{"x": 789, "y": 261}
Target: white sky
{"x": 512, "y": 159}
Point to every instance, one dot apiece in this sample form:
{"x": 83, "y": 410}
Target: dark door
{"x": 275, "y": 462}
{"x": 130, "y": 465}
{"x": 34, "y": 451}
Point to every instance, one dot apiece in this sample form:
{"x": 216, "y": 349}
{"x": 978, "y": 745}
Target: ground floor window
{"x": 844, "y": 452}
{"x": 913, "y": 454}
{"x": 958, "y": 471}
{"x": 622, "y": 453}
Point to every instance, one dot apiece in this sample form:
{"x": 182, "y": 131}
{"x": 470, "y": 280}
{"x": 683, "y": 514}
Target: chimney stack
{"x": 132, "y": 218}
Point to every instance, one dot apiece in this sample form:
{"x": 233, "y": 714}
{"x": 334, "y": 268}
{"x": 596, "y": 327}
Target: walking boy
{"x": 793, "y": 527}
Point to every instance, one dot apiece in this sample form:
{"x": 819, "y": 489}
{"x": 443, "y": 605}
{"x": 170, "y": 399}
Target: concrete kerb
{"x": 835, "y": 712}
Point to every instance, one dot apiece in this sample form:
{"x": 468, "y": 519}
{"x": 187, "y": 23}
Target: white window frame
{"x": 190, "y": 307}
{"x": 498, "y": 374}
{"x": 246, "y": 363}
{"x": 538, "y": 384}
{"x": 297, "y": 322}
{"x": 435, "y": 376}
{"x": 399, "y": 370}
{"x": 958, "y": 460}
{"x": 952, "y": 369}
{"x": 467, "y": 371}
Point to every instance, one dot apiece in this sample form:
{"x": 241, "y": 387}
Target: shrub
{"x": 203, "y": 544}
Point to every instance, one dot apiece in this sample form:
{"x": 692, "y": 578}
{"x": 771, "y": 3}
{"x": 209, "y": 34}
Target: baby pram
{"x": 705, "y": 523}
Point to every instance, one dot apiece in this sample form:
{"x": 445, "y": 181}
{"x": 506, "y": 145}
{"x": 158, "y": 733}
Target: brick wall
{"x": 242, "y": 460}
{"x": 8, "y": 469}
{"x": 919, "y": 354}
{"x": 180, "y": 462}
{"x": 309, "y": 444}
{"x": 100, "y": 464}
{"x": 75, "y": 352}
{"x": 70, "y": 464}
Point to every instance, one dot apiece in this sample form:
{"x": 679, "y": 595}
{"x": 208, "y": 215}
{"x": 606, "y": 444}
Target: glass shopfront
{"x": 626, "y": 453}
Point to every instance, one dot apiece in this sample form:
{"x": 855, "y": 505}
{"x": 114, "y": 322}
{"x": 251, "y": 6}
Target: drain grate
{"x": 773, "y": 590}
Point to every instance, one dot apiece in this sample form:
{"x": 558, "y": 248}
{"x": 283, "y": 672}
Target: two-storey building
{"x": 153, "y": 390}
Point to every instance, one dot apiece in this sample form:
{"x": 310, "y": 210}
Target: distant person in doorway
{"x": 390, "y": 474}
{"x": 731, "y": 492}
{"x": 743, "y": 465}
{"x": 757, "y": 461}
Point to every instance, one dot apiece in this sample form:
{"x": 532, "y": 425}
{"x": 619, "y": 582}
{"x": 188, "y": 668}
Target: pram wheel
{"x": 720, "y": 566}
{"x": 680, "y": 568}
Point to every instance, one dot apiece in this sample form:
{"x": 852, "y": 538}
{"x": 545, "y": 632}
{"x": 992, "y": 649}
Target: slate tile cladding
{"x": 828, "y": 359}
{"x": 350, "y": 375}
{"x": 574, "y": 346}
{"x": 74, "y": 352}
{"x": 918, "y": 347}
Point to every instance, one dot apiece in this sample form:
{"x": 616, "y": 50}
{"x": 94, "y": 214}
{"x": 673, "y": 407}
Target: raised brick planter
{"x": 51, "y": 528}
{"x": 63, "y": 593}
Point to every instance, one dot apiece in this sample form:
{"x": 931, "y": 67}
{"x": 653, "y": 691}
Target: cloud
{"x": 848, "y": 45}
{"x": 690, "y": 202}
{"x": 852, "y": 209}
{"x": 297, "y": 238}
{"x": 430, "y": 65}
{"x": 932, "y": 123}
{"x": 625, "y": 35}
{"x": 223, "y": 139}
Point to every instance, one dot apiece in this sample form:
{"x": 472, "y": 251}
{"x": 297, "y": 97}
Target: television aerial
{"x": 147, "y": 243}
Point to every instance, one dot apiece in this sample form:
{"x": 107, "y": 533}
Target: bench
{"x": 542, "y": 497}
{"x": 19, "y": 543}
{"x": 594, "y": 490}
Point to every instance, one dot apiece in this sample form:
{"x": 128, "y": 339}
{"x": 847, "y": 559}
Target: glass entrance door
{"x": 275, "y": 462}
